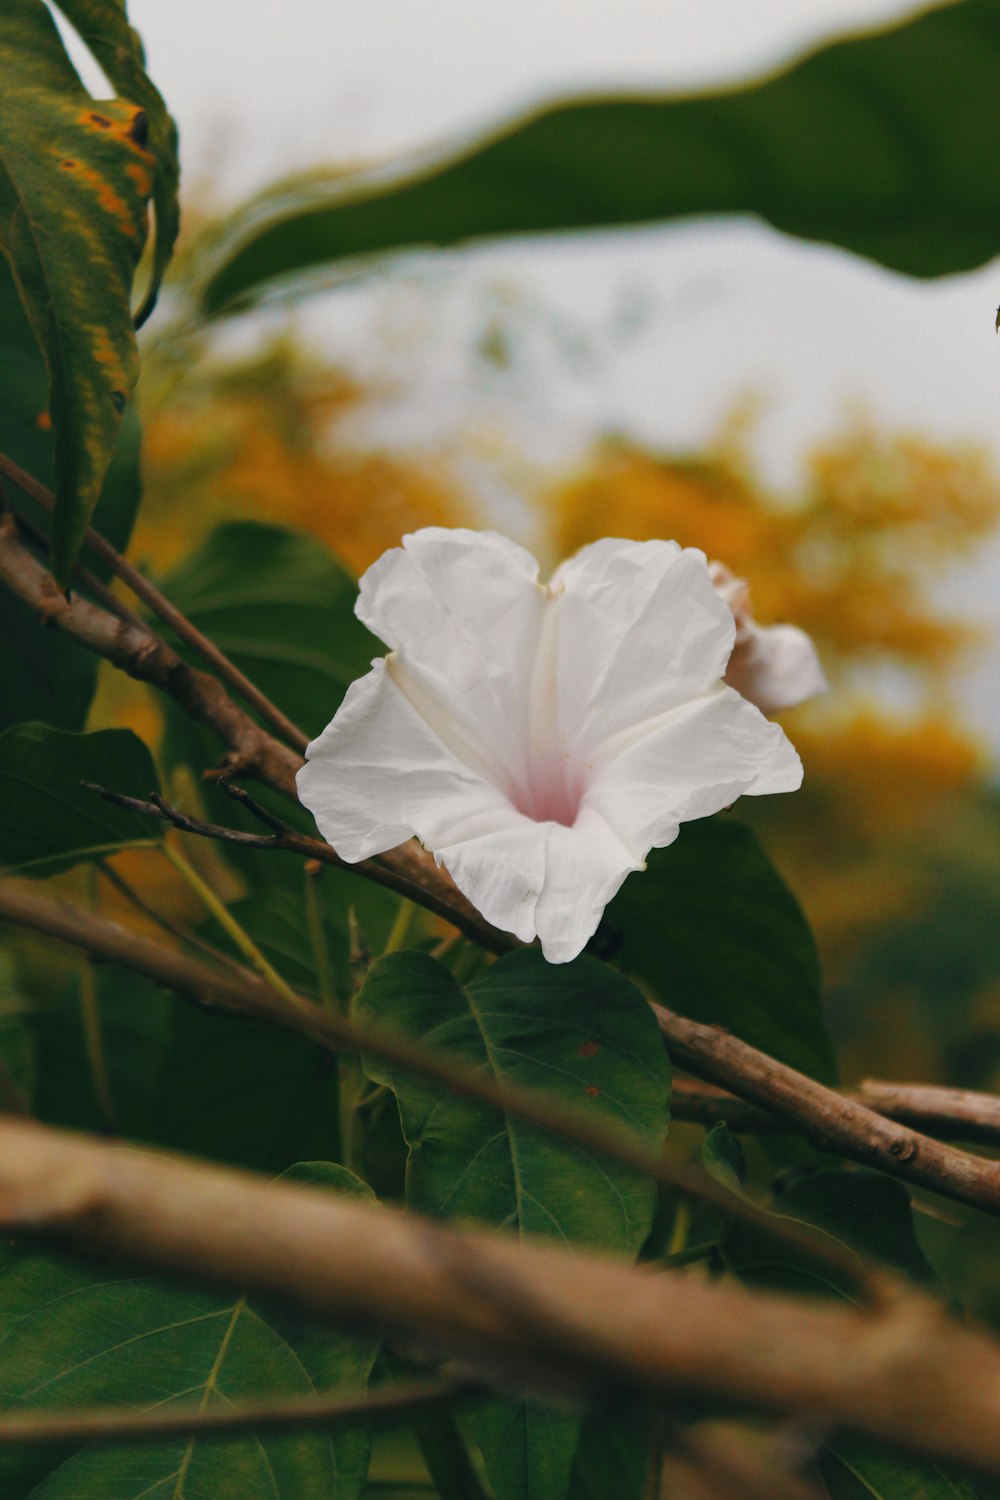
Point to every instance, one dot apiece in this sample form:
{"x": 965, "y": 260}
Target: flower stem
{"x": 679, "y": 1231}
{"x": 93, "y": 1040}
{"x": 401, "y": 927}
{"x": 238, "y": 935}
{"x": 317, "y": 938}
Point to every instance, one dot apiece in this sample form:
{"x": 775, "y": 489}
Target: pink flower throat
{"x": 550, "y": 792}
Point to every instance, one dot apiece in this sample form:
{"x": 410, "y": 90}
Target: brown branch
{"x": 127, "y": 1424}
{"x": 91, "y": 585}
{"x": 832, "y": 1121}
{"x": 167, "y": 612}
{"x": 952, "y": 1114}
{"x": 907, "y": 1375}
{"x": 947, "y": 1114}
{"x": 710, "y": 1464}
{"x": 254, "y": 998}
{"x": 128, "y": 644}
{"x": 252, "y": 752}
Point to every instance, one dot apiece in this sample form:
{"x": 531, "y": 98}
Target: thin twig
{"x": 945, "y": 1113}
{"x": 830, "y": 1120}
{"x": 191, "y": 939}
{"x": 908, "y": 1374}
{"x": 167, "y": 612}
{"x": 333, "y": 1031}
{"x": 291, "y": 842}
{"x": 125, "y": 1424}
{"x": 156, "y": 807}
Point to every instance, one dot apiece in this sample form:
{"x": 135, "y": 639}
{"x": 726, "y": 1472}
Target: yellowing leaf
{"x": 76, "y": 177}
{"x": 104, "y": 26}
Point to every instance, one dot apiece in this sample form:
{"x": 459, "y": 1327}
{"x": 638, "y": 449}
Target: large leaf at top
{"x": 584, "y": 1036}
{"x": 48, "y": 822}
{"x": 49, "y": 676}
{"x": 280, "y": 604}
{"x": 76, "y": 177}
{"x": 714, "y": 931}
{"x": 76, "y": 1335}
{"x": 880, "y": 144}
{"x": 117, "y": 46}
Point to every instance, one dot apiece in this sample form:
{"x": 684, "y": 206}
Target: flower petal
{"x": 692, "y": 761}
{"x": 378, "y": 774}
{"x": 543, "y": 879}
{"x": 775, "y": 666}
{"x": 463, "y": 612}
{"x": 640, "y": 631}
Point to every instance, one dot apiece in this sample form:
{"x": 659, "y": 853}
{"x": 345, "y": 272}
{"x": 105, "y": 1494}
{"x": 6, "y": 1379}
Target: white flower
{"x": 539, "y": 739}
{"x": 775, "y": 666}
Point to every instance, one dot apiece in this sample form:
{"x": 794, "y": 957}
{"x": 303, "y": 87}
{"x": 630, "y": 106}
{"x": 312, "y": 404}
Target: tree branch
{"x": 167, "y": 612}
{"x": 907, "y": 1375}
{"x": 128, "y": 1424}
{"x": 947, "y": 1114}
{"x": 254, "y": 998}
{"x": 832, "y": 1121}
{"x": 952, "y": 1114}
{"x": 128, "y": 644}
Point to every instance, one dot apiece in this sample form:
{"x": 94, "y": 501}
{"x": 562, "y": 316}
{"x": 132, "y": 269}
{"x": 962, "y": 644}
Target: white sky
{"x": 654, "y": 331}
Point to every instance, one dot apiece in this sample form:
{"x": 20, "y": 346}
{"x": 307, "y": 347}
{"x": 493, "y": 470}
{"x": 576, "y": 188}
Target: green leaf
{"x": 580, "y": 1033}
{"x": 723, "y": 1157}
{"x": 135, "y": 1036}
{"x": 864, "y": 1211}
{"x": 280, "y": 604}
{"x": 245, "y": 1093}
{"x": 276, "y": 916}
{"x": 103, "y": 25}
{"x": 876, "y": 144}
{"x": 48, "y": 822}
{"x": 587, "y": 1038}
{"x": 76, "y": 1335}
{"x": 49, "y": 676}
{"x": 17, "y": 1052}
{"x": 853, "y": 1469}
{"x": 75, "y": 180}
{"x": 614, "y": 1454}
{"x": 714, "y": 931}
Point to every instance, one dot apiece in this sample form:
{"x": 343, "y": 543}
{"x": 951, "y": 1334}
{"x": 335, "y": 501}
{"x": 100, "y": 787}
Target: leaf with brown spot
{"x": 75, "y": 184}
{"x": 583, "y": 1037}
{"x": 117, "y": 46}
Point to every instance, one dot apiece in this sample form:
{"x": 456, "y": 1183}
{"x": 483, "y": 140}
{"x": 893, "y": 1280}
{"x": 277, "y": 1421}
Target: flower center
{"x": 549, "y": 788}
{"x": 548, "y": 794}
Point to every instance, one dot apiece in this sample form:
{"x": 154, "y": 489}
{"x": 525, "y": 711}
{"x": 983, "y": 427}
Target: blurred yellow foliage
{"x": 851, "y": 562}
{"x": 260, "y": 441}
